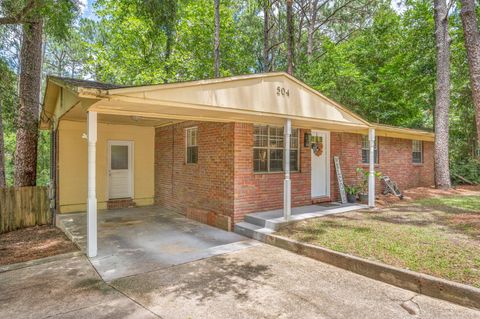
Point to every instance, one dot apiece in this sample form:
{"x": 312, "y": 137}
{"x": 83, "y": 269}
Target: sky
{"x": 87, "y": 9}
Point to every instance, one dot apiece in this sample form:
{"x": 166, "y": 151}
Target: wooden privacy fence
{"x": 24, "y": 207}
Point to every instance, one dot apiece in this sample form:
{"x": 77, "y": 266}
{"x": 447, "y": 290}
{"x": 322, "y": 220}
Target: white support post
{"x": 371, "y": 175}
{"x": 92, "y": 196}
{"x": 287, "y": 187}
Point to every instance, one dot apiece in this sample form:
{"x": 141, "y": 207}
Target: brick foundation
{"x": 120, "y": 203}
{"x": 222, "y": 187}
{"x": 210, "y": 218}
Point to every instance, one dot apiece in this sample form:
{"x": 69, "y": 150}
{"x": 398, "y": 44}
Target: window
{"x": 191, "y": 144}
{"x": 119, "y": 157}
{"x": 268, "y": 148}
{"x": 366, "y": 150}
{"x": 417, "y": 151}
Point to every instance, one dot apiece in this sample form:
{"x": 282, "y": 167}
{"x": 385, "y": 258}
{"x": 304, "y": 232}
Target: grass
{"x": 455, "y": 203}
{"x": 437, "y": 236}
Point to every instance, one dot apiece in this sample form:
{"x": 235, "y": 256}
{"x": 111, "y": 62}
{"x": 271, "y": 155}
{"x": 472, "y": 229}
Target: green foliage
{"x": 362, "y": 175}
{"x": 384, "y": 73}
{"x": 8, "y": 101}
{"x": 468, "y": 168}
{"x": 43, "y": 159}
{"x": 57, "y": 15}
{"x": 129, "y": 45}
{"x": 352, "y": 189}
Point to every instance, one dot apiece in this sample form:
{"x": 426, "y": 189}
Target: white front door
{"x": 120, "y": 169}
{"x": 320, "y": 163}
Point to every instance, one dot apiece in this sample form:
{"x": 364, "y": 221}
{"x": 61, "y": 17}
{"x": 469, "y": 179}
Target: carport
{"x": 142, "y": 239}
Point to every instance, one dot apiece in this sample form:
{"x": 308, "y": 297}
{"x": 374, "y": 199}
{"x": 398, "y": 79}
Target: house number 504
{"x": 283, "y": 91}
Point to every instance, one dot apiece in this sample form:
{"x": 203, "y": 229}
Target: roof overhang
{"x": 267, "y": 98}
{"x": 405, "y": 133}
{"x": 264, "y": 98}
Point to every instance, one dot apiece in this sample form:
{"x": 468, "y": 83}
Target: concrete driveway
{"x": 255, "y": 282}
{"x": 137, "y": 240}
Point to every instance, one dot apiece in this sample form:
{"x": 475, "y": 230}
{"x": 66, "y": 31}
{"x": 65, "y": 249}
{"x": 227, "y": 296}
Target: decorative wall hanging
{"x": 317, "y": 145}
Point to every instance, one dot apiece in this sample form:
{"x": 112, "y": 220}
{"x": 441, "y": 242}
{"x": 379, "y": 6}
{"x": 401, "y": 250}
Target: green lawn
{"x": 439, "y": 236}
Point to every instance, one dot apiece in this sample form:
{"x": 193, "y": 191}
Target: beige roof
{"x": 259, "y": 98}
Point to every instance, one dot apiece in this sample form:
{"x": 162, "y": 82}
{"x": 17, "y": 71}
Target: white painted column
{"x": 371, "y": 175}
{"x": 92, "y": 196}
{"x": 287, "y": 186}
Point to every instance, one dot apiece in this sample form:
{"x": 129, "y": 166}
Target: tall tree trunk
{"x": 2, "y": 151}
{"x": 311, "y": 27}
{"x": 29, "y": 100}
{"x": 290, "y": 36}
{"x": 266, "y": 35}
{"x": 442, "y": 95}
{"x": 472, "y": 44}
{"x": 216, "y": 50}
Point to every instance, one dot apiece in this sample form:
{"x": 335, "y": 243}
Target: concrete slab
{"x": 273, "y": 219}
{"x": 267, "y": 282}
{"x": 138, "y": 240}
{"x": 66, "y": 288}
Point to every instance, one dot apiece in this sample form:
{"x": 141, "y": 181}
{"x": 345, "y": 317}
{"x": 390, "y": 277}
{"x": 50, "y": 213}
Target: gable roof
{"x": 262, "y": 98}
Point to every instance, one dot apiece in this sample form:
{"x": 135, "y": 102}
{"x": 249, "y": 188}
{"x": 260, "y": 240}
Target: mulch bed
{"x": 33, "y": 243}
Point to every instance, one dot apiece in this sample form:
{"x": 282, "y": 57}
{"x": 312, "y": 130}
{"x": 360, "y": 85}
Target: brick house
{"x": 215, "y": 150}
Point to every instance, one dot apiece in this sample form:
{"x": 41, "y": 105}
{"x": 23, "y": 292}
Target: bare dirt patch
{"x": 33, "y": 243}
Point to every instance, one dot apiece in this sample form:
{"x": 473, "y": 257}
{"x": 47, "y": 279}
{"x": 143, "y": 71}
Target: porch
{"x": 270, "y": 221}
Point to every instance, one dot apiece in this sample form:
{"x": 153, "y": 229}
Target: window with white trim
{"x": 417, "y": 152}
{"x": 366, "y": 149}
{"x": 191, "y": 145}
{"x": 268, "y": 148}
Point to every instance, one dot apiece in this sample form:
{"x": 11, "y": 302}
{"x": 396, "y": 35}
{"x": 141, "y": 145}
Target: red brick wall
{"x": 223, "y": 181}
{"x": 395, "y": 161}
{"x": 259, "y": 192}
{"x": 207, "y": 185}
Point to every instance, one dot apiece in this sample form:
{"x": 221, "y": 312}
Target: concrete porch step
{"x": 246, "y": 229}
{"x": 256, "y": 220}
{"x": 251, "y": 230}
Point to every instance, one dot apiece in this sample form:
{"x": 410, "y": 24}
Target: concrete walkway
{"x": 254, "y": 282}
{"x": 142, "y": 239}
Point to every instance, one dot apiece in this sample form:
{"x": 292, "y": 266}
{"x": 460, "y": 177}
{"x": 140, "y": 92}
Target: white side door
{"x": 320, "y": 158}
{"x": 120, "y": 169}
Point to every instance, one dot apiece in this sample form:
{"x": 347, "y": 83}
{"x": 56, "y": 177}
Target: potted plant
{"x": 363, "y": 174}
{"x": 352, "y": 191}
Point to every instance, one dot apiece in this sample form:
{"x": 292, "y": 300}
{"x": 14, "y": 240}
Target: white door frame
{"x": 327, "y": 169}
{"x": 131, "y": 153}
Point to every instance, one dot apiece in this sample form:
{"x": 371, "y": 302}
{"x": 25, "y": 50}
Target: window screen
{"x": 417, "y": 151}
{"x": 119, "y": 157}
